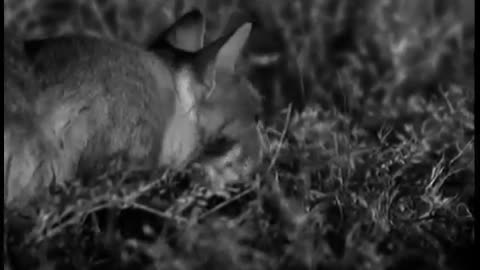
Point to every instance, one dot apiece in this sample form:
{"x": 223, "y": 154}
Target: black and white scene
{"x": 239, "y": 134}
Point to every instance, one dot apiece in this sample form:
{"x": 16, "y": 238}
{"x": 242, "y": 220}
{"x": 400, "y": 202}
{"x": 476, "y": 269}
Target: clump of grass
{"x": 376, "y": 171}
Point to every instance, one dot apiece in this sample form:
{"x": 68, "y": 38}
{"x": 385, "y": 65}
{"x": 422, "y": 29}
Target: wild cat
{"x": 154, "y": 106}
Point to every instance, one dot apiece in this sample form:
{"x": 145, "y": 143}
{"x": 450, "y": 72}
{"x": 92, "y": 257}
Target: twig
{"x": 103, "y": 25}
{"x": 222, "y": 205}
{"x": 460, "y": 153}
{"x": 156, "y": 212}
{"x": 282, "y": 138}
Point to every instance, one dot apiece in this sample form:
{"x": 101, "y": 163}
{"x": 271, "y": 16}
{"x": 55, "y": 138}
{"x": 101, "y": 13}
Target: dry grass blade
{"x": 282, "y": 139}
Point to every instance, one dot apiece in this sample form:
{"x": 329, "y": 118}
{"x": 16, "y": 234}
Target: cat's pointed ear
{"x": 187, "y": 33}
{"x": 223, "y": 53}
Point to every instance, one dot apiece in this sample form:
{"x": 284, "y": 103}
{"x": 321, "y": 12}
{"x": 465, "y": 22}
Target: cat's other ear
{"x": 187, "y": 33}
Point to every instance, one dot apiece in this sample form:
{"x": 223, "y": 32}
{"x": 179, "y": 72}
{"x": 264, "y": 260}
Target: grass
{"x": 376, "y": 172}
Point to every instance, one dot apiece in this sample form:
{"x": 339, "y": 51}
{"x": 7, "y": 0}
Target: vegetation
{"x": 375, "y": 172}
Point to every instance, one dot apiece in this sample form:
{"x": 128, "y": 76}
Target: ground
{"x": 371, "y": 167}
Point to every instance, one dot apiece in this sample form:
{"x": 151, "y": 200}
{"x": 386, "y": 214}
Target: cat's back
{"x": 82, "y": 59}
{"x": 108, "y": 91}
{"x": 115, "y": 75}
